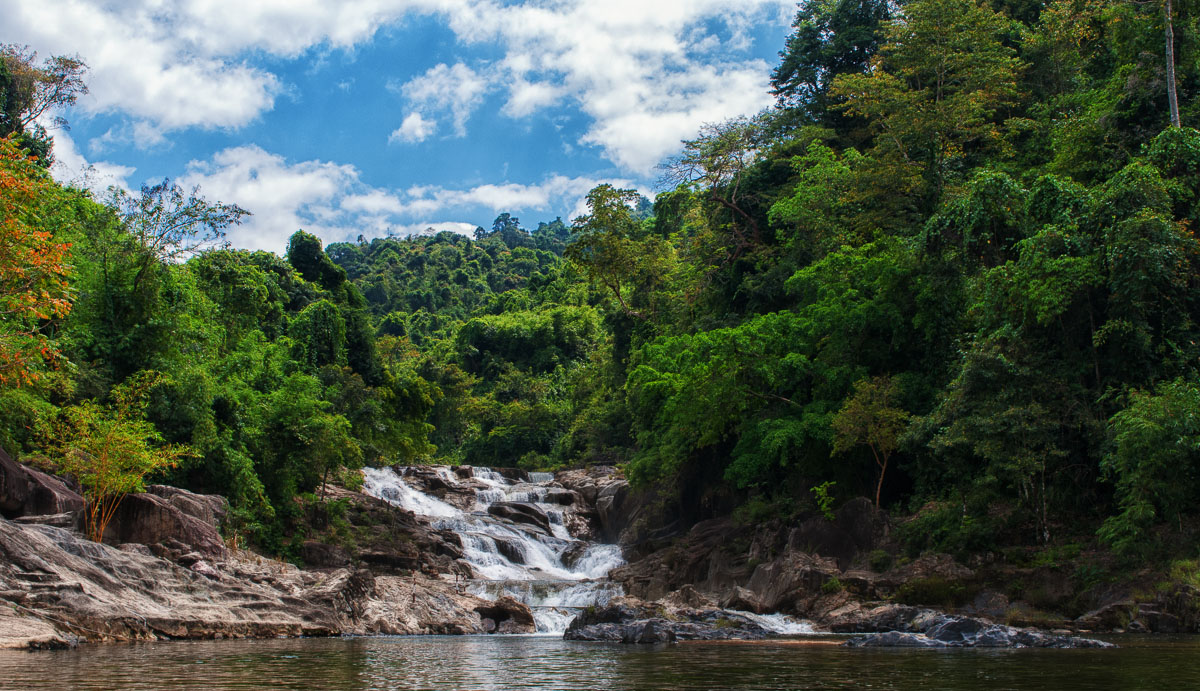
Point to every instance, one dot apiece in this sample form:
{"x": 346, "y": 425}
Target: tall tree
{"x": 937, "y": 92}
{"x": 33, "y": 266}
{"x": 29, "y": 92}
{"x": 829, "y": 38}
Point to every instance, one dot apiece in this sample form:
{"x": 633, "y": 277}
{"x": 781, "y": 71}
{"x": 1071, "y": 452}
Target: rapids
{"x": 553, "y": 573}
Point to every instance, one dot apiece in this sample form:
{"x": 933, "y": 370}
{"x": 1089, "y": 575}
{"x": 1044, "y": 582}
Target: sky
{"x": 369, "y": 117}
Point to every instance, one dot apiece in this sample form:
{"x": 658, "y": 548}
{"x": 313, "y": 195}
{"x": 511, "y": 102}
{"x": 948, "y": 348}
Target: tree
{"x": 870, "y": 417}
{"x": 1169, "y": 30}
{"x": 304, "y": 252}
{"x": 1153, "y": 462}
{"x": 718, "y": 162}
{"x": 611, "y": 249}
{"x": 829, "y": 38}
{"x": 936, "y": 90}
{"x": 29, "y": 92}
{"x": 33, "y": 266}
{"x": 110, "y": 449}
{"x": 171, "y": 224}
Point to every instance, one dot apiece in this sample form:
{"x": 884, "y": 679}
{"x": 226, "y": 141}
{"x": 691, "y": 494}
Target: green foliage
{"x": 934, "y": 591}
{"x": 824, "y": 499}
{"x": 831, "y": 586}
{"x": 110, "y": 449}
{"x": 961, "y": 249}
{"x": 1153, "y": 462}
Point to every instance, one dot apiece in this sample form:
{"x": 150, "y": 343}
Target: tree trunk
{"x": 1172, "y": 97}
{"x": 879, "y": 485}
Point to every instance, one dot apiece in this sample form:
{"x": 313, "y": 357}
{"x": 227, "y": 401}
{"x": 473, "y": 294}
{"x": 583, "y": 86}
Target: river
{"x": 542, "y": 662}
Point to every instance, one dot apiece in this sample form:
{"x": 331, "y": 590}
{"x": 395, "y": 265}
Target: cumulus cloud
{"x": 662, "y": 67}
{"x": 71, "y": 167}
{"x": 414, "y": 128}
{"x": 331, "y": 201}
{"x": 456, "y": 90}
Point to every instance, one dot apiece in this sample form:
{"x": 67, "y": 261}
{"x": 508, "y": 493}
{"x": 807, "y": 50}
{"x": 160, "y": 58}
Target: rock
{"x": 508, "y": 615}
{"x": 610, "y": 504}
{"x": 1111, "y": 617}
{"x": 650, "y": 632}
{"x": 825, "y": 538}
{"x": 778, "y": 585}
{"x": 562, "y": 497}
{"x": 69, "y": 586}
{"x": 894, "y": 639}
{"x": 151, "y": 519}
{"x": 520, "y": 512}
{"x": 926, "y": 628}
{"x": 628, "y": 620}
{"x": 688, "y": 597}
{"x": 511, "y": 550}
{"x": 58, "y": 520}
{"x": 323, "y": 556}
{"x": 864, "y": 523}
{"x": 206, "y": 508}
{"x": 742, "y": 599}
{"x": 28, "y": 492}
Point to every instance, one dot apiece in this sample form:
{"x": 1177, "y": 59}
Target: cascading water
{"x": 525, "y": 551}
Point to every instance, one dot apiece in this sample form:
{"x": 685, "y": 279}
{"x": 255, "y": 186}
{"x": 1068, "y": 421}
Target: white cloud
{"x": 414, "y": 128}
{"x": 664, "y": 67}
{"x": 331, "y": 201}
{"x": 72, "y": 168}
{"x": 458, "y": 90}
{"x": 647, "y": 74}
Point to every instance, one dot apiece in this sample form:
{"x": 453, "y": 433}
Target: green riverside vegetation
{"x": 954, "y": 270}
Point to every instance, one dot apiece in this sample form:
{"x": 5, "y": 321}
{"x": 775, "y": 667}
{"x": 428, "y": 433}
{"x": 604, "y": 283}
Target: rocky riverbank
{"x": 164, "y": 572}
{"x": 167, "y": 574}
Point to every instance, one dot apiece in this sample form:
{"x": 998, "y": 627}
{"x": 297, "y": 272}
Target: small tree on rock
{"x": 110, "y": 449}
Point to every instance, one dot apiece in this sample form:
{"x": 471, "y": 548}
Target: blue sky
{"x": 374, "y": 116}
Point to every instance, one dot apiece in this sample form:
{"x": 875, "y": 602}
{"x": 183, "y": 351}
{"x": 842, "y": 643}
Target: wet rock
{"x": 910, "y": 627}
{"x": 510, "y": 550}
{"x": 628, "y": 620}
{"x": 650, "y": 632}
{"x": 520, "y": 512}
{"x": 508, "y": 615}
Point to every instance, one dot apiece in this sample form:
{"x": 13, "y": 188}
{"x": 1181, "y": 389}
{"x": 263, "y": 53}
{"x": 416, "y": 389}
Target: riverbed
{"x": 540, "y": 662}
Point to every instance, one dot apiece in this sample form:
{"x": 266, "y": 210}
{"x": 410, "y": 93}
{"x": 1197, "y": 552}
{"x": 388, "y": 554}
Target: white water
{"x": 510, "y": 558}
{"x": 781, "y": 624}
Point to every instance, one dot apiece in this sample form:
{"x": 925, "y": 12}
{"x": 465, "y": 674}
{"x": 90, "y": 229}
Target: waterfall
{"x": 514, "y": 534}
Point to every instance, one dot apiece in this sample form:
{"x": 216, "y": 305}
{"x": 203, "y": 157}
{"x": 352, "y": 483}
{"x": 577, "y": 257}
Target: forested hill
{"x": 954, "y": 270}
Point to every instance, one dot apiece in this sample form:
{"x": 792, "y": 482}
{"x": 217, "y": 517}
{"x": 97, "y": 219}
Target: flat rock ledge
{"x": 58, "y": 589}
{"x": 931, "y": 629}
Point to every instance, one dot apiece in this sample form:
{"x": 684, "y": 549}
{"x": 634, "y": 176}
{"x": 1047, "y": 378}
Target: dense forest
{"x": 954, "y": 269}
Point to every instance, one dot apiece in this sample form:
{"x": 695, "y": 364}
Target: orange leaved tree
{"x": 110, "y": 449}
{"x": 33, "y": 267}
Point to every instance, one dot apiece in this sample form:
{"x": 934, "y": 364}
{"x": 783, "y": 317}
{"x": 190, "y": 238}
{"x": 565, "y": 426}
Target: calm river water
{"x": 517, "y": 662}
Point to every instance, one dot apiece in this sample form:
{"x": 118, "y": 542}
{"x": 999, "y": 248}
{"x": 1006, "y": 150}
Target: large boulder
{"x": 151, "y": 519}
{"x": 520, "y": 512}
{"x": 506, "y": 615}
{"x": 28, "y": 492}
{"x": 777, "y": 585}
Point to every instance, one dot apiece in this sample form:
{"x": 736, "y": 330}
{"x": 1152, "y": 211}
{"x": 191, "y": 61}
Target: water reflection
{"x": 502, "y": 663}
